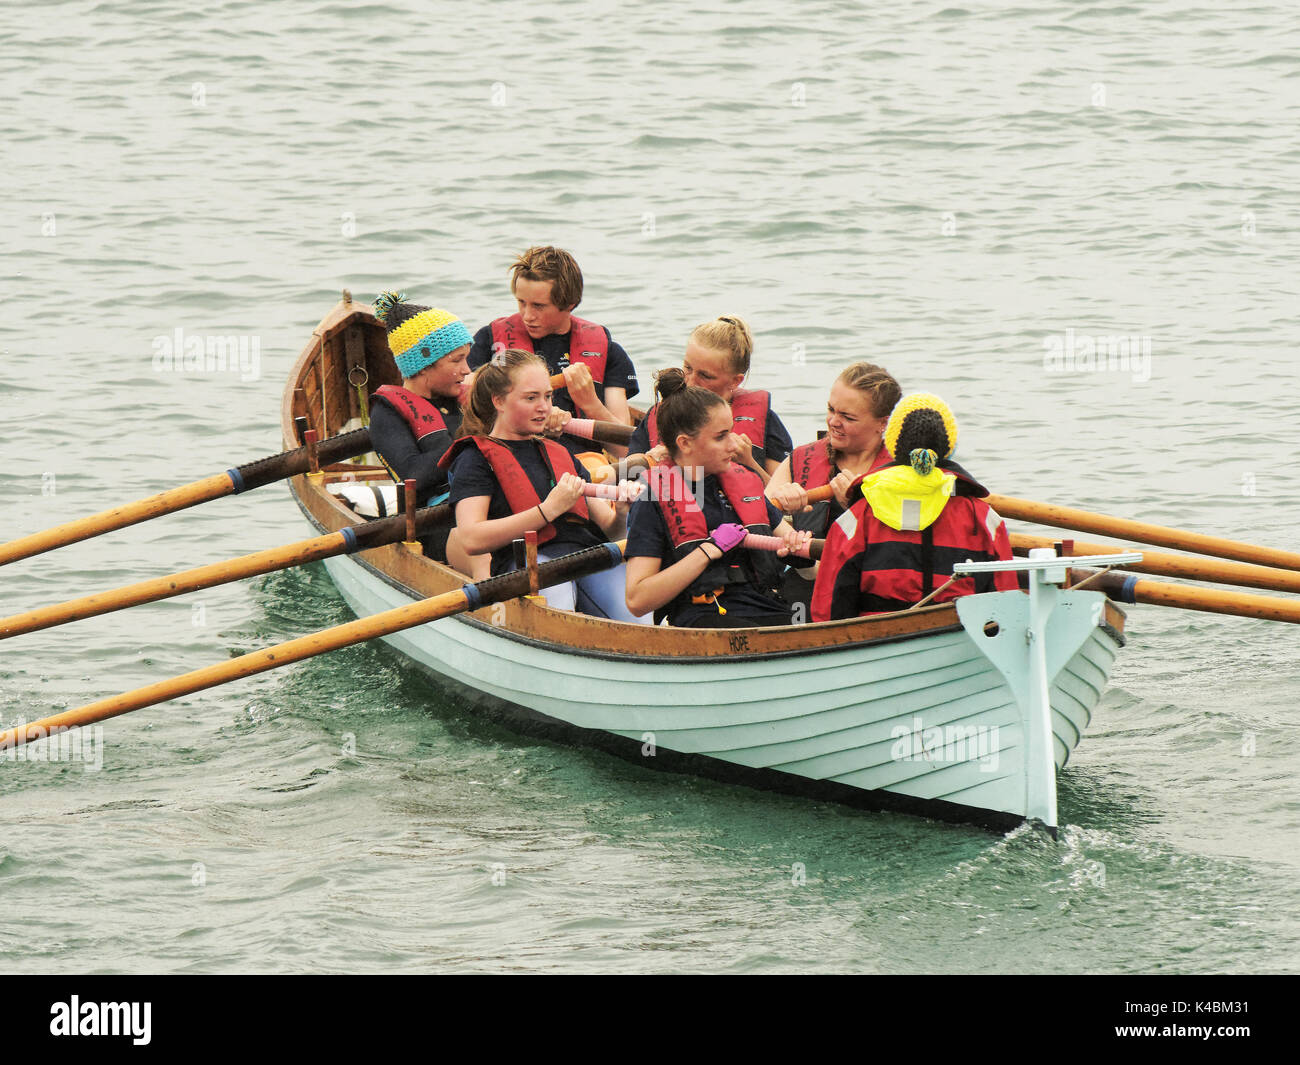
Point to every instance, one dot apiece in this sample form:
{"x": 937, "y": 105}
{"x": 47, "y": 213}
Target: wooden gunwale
{"x": 531, "y": 620}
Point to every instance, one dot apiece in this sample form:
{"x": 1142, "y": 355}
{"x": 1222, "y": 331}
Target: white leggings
{"x": 602, "y": 594}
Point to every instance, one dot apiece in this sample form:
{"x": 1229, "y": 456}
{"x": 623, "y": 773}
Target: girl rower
{"x": 506, "y": 481}
{"x": 856, "y": 414}
{"x": 915, "y": 520}
{"x": 717, "y": 359}
{"x": 684, "y": 559}
{"x": 412, "y": 424}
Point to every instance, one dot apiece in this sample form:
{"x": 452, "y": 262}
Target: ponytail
{"x": 683, "y": 409}
{"x": 728, "y": 334}
{"x": 493, "y": 379}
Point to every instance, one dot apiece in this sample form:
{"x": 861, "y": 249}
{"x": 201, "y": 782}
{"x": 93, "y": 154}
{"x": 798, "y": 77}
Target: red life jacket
{"x": 687, "y": 529}
{"x": 748, "y": 412}
{"x": 519, "y": 491}
{"x": 811, "y": 467}
{"x": 418, "y": 413}
{"x": 588, "y": 342}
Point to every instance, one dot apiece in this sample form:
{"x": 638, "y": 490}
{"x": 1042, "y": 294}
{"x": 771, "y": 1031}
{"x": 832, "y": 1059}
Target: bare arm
{"x": 649, "y": 587}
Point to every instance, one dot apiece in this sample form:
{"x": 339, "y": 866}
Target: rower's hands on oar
{"x": 582, "y": 389}
{"x": 563, "y": 496}
{"x": 557, "y": 420}
{"x": 840, "y": 485}
{"x": 793, "y": 541}
{"x": 790, "y": 498}
{"x": 728, "y": 535}
{"x": 659, "y": 455}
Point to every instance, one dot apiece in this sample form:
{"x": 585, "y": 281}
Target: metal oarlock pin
{"x": 624, "y": 492}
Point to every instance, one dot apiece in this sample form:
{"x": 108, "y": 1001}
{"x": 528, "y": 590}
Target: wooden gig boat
{"x": 932, "y": 711}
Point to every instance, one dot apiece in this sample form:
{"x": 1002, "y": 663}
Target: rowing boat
{"x": 964, "y": 711}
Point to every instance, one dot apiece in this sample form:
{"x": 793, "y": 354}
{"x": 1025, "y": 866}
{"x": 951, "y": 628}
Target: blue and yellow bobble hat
{"x": 418, "y": 336}
{"x": 924, "y": 428}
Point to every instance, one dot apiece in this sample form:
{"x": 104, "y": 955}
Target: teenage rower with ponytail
{"x": 412, "y": 424}
{"x": 717, "y": 359}
{"x": 684, "y": 559}
{"x": 506, "y": 481}
{"x": 915, "y": 520}
{"x": 857, "y": 412}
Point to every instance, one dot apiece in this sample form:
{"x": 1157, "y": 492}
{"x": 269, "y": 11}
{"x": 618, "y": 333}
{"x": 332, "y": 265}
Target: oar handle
{"x": 1125, "y": 588}
{"x": 821, "y": 494}
{"x": 623, "y": 492}
{"x": 759, "y": 542}
{"x": 604, "y": 432}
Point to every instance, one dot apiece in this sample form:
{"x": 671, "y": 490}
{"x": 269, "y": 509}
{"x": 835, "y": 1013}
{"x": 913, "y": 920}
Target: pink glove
{"x": 728, "y": 536}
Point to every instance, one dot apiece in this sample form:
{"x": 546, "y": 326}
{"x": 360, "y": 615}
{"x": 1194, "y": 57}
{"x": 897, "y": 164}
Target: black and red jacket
{"x": 869, "y": 568}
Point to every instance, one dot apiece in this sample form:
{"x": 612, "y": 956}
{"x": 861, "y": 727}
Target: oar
{"x": 758, "y": 542}
{"x": 232, "y": 482}
{"x": 1124, "y": 588}
{"x": 602, "y": 432}
{"x": 467, "y": 597}
{"x": 350, "y": 539}
{"x": 1195, "y": 569}
{"x": 1126, "y": 529}
{"x": 623, "y": 492}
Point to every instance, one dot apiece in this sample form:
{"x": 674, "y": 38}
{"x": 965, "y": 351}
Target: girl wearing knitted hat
{"x": 412, "y": 425}
{"x": 915, "y": 520}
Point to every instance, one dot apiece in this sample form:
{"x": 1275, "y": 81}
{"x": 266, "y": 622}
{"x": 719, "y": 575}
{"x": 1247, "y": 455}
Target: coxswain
{"x": 916, "y": 519}
{"x": 717, "y": 359}
{"x": 599, "y": 377}
{"x": 506, "y": 480}
{"x": 857, "y": 411}
{"x": 413, "y": 424}
{"x": 684, "y": 556}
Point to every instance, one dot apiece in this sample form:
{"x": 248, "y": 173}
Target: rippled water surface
{"x": 954, "y": 192}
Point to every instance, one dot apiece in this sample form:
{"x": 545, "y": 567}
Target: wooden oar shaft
{"x": 355, "y": 538}
{"x": 154, "y": 506}
{"x": 468, "y": 597}
{"x": 603, "y": 432}
{"x": 240, "y": 479}
{"x": 1127, "y": 589}
{"x": 1142, "y": 532}
{"x": 1195, "y": 569}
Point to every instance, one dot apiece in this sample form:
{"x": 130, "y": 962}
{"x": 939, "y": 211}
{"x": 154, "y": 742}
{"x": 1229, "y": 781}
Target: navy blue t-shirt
{"x": 472, "y": 475}
{"x": 647, "y": 537}
{"x": 776, "y": 441}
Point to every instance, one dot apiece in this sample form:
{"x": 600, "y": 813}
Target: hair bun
{"x": 669, "y": 382}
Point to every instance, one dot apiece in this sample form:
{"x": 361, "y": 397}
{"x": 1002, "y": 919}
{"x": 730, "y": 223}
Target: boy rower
{"x": 598, "y": 375}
